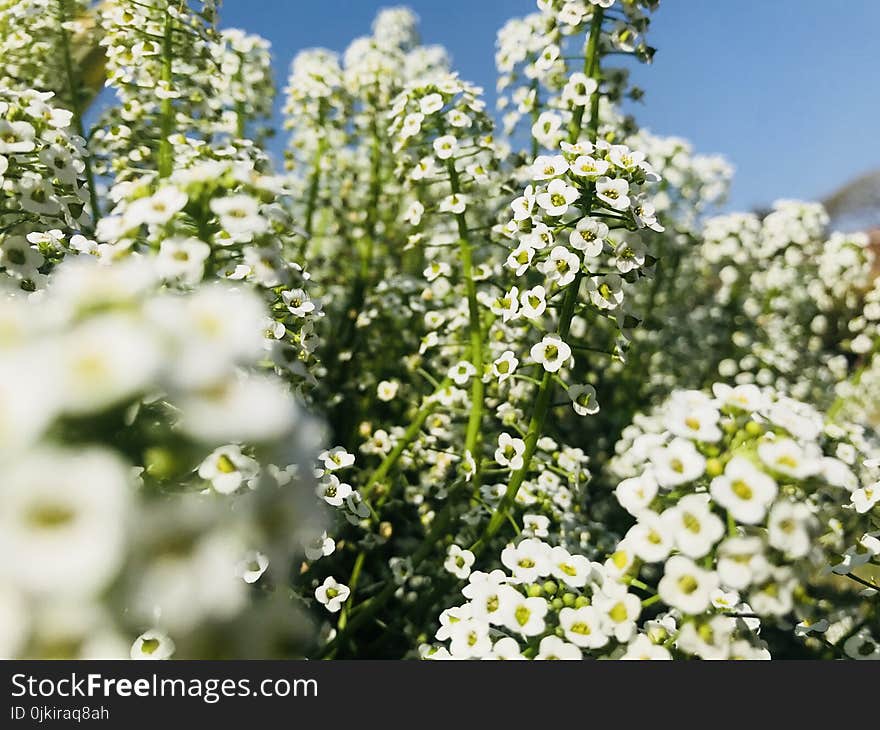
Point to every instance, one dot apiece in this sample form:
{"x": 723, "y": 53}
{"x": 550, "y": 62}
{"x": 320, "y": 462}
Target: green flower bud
{"x": 714, "y": 467}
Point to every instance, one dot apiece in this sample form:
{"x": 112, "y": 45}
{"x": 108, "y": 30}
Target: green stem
{"x": 73, "y": 87}
{"x": 475, "y": 332}
{"x": 352, "y": 585}
{"x": 373, "y": 604}
{"x": 408, "y": 437}
{"x": 545, "y": 391}
{"x": 165, "y": 162}
{"x": 240, "y": 110}
{"x": 315, "y": 179}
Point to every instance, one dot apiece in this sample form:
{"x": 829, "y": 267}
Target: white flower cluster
{"x": 742, "y": 499}
{"x": 36, "y": 39}
{"x": 546, "y": 604}
{"x": 220, "y": 218}
{"x": 44, "y": 189}
{"x": 104, "y": 371}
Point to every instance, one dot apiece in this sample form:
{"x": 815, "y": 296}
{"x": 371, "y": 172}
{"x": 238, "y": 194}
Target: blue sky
{"x": 787, "y": 90}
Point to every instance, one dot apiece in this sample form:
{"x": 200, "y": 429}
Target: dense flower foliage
{"x": 302, "y": 409}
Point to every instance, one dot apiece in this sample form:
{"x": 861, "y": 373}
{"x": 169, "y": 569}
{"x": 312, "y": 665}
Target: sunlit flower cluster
{"x": 509, "y": 330}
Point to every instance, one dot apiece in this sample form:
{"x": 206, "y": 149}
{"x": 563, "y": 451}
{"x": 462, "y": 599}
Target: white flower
{"x": 708, "y": 639}
{"x": 695, "y": 526}
{"x": 552, "y": 647}
{"x": 787, "y": 457}
{"x": 551, "y": 352}
{"x": 746, "y": 397}
{"x": 332, "y": 491}
{"x": 799, "y": 420}
{"x": 546, "y": 167}
{"x": 461, "y": 372}
{"x": 650, "y": 539}
{"x": 445, "y": 147}
{"x": 618, "y": 611}
{"x": 520, "y": 259}
{"x": 636, "y": 493}
{"x": 743, "y": 490}
{"x": 583, "y": 399}
{"x": 727, "y": 600}
{"x": 469, "y": 639}
{"x": 580, "y": 88}
{"x": 605, "y": 292}
{"x": 789, "y": 527}
{"x": 677, "y": 463}
{"x": 741, "y": 562}
{"x": 547, "y": 57}
{"x": 573, "y": 570}
{"x": 533, "y": 302}
{"x": 182, "y": 259}
{"x": 251, "y": 408}
{"x": 561, "y": 266}
{"x": 104, "y": 361}
{"x": 589, "y": 237}
{"x": 412, "y": 124}
{"x": 641, "y": 647}
{"x": 583, "y": 627}
{"x": 505, "y": 366}
{"x": 152, "y": 644}
{"x": 613, "y": 192}
{"x": 240, "y": 216}
{"x": 526, "y": 615}
{"x": 16, "y": 137}
{"x": 455, "y": 203}
{"x": 625, "y": 158}
{"x": 336, "y": 458}
{"x": 320, "y": 547}
{"x": 490, "y": 595}
{"x": 413, "y": 214}
{"x": 546, "y": 128}
{"x": 63, "y": 521}
{"x": 864, "y": 499}
{"x": 386, "y": 390}
{"x": 158, "y": 209}
{"x": 459, "y": 561}
{"x": 227, "y": 469}
{"x": 629, "y": 254}
{"x": 557, "y": 198}
{"x": 251, "y": 569}
{"x": 430, "y": 104}
{"x": 686, "y": 586}
{"x": 331, "y": 594}
{"x": 506, "y": 305}
{"x": 524, "y": 205}
{"x": 695, "y": 420}
{"x": 527, "y": 561}
{"x": 451, "y": 616}
{"x": 298, "y": 302}
{"x": 212, "y": 330}
{"x": 536, "y": 526}
{"x": 507, "y": 648}
{"x": 586, "y": 166}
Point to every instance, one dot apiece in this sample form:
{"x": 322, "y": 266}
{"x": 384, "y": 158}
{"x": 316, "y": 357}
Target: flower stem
{"x": 408, "y": 437}
{"x": 166, "y": 114}
{"x": 73, "y": 87}
{"x": 475, "y": 332}
{"x": 545, "y": 391}
{"x": 315, "y": 178}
